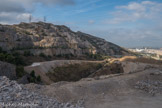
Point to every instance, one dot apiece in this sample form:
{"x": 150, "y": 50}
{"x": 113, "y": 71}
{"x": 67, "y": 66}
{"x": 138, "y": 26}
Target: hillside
{"x": 55, "y": 40}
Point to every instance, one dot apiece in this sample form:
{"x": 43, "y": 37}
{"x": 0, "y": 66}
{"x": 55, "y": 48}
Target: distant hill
{"x": 52, "y": 40}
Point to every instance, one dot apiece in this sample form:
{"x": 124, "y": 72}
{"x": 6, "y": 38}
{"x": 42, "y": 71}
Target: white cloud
{"x": 133, "y": 6}
{"x": 139, "y": 22}
{"x": 14, "y": 11}
{"x": 10, "y": 18}
{"x": 136, "y": 11}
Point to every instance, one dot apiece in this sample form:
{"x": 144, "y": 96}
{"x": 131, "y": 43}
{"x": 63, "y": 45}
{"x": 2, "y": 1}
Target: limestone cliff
{"x": 54, "y": 40}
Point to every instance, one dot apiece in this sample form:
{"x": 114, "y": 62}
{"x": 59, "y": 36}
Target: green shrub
{"x": 32, "y": 74}
{"x": 15, "y": 54}
{"x": 13, "y": 57}
{"x": 94, "y": 56}
{"x": 10, "y": 58}
{"x": 33, "y": 78}
{"x": 2, "y": 57}
{"x": 27, "y": 53}
{"x": 39, "y": 78}
{"x": 19, "y": 61}
{"x": 42, "y": 55}
{"x": 20, "y": 71}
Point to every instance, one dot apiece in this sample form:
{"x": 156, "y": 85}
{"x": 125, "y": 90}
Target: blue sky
{"x": 129, "y": 23}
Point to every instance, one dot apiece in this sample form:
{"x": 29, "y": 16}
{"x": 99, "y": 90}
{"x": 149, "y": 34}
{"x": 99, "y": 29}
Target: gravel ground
{"x": 152, "y": 87}
{"x": 13, "y": 95}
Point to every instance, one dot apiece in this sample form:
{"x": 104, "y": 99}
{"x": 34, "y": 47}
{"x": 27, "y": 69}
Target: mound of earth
{"x": 64, "y": 70}
{"x": 75, "y": 70}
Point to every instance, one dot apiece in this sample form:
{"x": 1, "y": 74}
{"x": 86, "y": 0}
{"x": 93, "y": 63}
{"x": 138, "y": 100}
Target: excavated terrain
{"x": 64, "y": 70}
{"x": 136, "y": 89}
{"x": 134, "y": 84}
{"x": 127, "y": 82}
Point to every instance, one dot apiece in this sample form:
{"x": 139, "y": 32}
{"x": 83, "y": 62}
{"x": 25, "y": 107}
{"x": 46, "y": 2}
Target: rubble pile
{"x": 152, "y": 87}
{"x": 13, "y": 95}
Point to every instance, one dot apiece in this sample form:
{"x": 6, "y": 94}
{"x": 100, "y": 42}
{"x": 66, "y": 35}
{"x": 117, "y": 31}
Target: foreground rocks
{"x": 152, "y": 84}
{"x": 13, "y": 95}
{"x": 152, "y": 87}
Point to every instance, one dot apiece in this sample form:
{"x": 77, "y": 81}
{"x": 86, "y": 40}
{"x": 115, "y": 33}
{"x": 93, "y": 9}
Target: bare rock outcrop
{"x": 54, "y": 40}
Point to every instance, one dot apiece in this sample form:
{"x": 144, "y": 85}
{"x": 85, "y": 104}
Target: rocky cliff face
{"x": 54, "y": 40}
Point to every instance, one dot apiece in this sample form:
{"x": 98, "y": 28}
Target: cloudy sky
{"x": 129, "y": 23}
